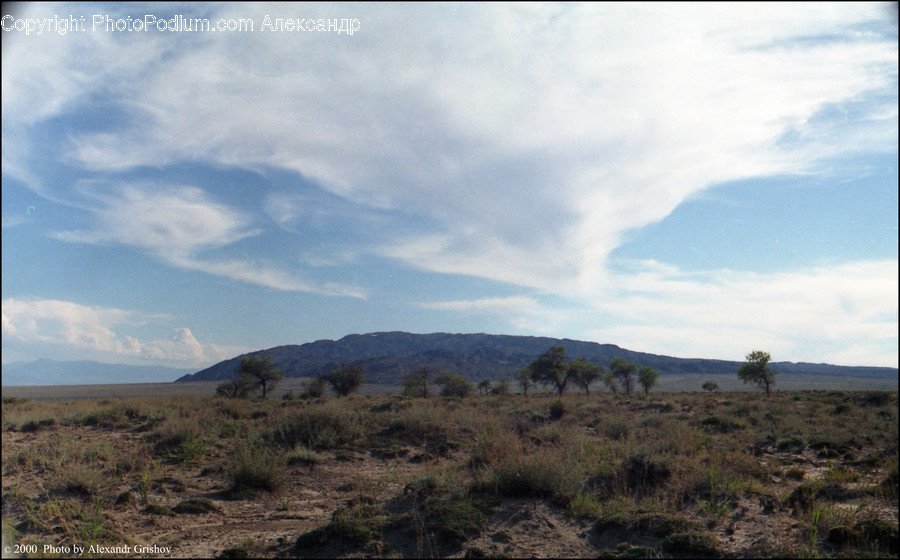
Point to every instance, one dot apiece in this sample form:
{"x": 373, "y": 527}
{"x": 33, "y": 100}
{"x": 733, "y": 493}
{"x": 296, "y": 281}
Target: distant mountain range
{"x": 51, "y": 372}
{"x": 388, "y": 357}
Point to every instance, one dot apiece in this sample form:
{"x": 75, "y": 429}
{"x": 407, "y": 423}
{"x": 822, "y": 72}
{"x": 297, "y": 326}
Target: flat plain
{"x": 669, "y": 474}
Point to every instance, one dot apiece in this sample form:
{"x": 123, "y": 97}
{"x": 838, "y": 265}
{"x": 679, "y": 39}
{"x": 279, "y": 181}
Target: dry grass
{"x": 667, "y": 474}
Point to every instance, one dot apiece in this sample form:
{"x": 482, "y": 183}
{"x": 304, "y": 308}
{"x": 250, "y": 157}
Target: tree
{"x": 623, "y": 370}
{"x": 502, "y": 387}
{"x": 346, "y": 379}
{"x": 260, "y": 371}
{"x": 648, "y": 377}
{"x": 416, "y": 383}
{"x": 523, "y": 378}
{"x": 584, "y": 373}
{"x": 237, "y": 388}
{"x": 484, "y": 386}
{"x": 609, "y": 379}
{"x": 314, "y": 388}
{"x": 453, "y": 385}
{"x": 710, "y": 386}
{"x": 756, "y": 370}
{"x": 551, "y": 369}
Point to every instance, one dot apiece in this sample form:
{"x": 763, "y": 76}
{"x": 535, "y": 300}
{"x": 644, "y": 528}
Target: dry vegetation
{"x": 802, "y": 474}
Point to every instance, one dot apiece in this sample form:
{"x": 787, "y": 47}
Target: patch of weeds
{"x": 692, "y": 544}
{"x": 628, "y": 550}
{"x": 840, "y": 475}
{"x": 38, "y": 425}
{"x": 617, "y": 429}
{"x": 557, "y": 410}
{"x": 243, "y": 551}
{"x": 356, "y": 526}
{"x": 793, "y": 442}
{"x": 874, "y": 399}
{"x": 196, "y": 505}
{"x": 584, "y": 506}
{"x": 303, "y": 456}
{"x": 873, "y": 535}
{"x": 317, "y": 427}
{"x": 159, "y": 509}
{"x": 721, "y": 424}
{"x": 345, "y": 455}
{"x": 80, "y": 479}
{"x": 795, "y": 473}
{"x": 125, "y": 499}
{"x": 456, "y": 518}
{"x": 255, "y": 468}
{"x": 188, "y": 450}
{"x": 841, "y": 408}
{"x": 643, "y": 471}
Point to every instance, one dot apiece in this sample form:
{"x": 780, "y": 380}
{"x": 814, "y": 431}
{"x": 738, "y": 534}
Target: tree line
{"x": 552, "y": 369}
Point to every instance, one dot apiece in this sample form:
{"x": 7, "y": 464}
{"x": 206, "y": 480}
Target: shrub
{"x": 692, "y": 544}
{"x": 196, "y": 505}
{"x": 454, "y": 385}
{"x": 346, "y": 379}
{"x": 643, "y": 472}
{"x": 254, "y": 469}
{"x": 317, "y": 428}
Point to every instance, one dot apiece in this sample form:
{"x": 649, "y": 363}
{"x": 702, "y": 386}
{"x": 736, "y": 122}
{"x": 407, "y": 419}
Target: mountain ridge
{"x": 388, "y": 357}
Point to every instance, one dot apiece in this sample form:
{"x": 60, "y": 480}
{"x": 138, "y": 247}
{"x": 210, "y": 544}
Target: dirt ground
{"x": 750, "y": 523}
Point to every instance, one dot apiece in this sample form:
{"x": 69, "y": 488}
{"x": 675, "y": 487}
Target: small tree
{"x": 757, "y": 370}
{"x": 237, "y": 388}
{"x": 623, "y": 370}
{"x": 260, "y": 371}
{"x": 609, "y": 379}
{"x": 314, "y": 388}
{"x": 453, "y": 385}
{"x": 523, "y": 378}
{"x": 648, "y": 378}
{"x": 552, "y": 369}
{"x": 416, "y": 383}
{"x": 346, "y": 379}
{"x": 502, "y": 387}
{"x": 484, "y": 386}
{"x": 710, "y": 386}
{"x": 584, "y": 373}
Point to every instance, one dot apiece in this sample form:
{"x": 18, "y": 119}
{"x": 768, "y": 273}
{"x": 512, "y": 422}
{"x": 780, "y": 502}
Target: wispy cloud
{"x": 842, "y": 314}
{"x": 176, "y": 224}
{"x": 618, "y": 115}
{"x": 69, "y": 328}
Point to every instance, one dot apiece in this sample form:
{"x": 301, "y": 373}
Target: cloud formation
{"x": 601, "y": 120}
{"x": 516, "y": 143}
{"x": 95, "y": 332}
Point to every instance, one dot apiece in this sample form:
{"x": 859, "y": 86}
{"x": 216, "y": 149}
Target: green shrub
{"x": 317, "y": 427}
{"x": 196, "y": 505}
{"x": 255, "y": 468}
{"x": 694, "y": 544}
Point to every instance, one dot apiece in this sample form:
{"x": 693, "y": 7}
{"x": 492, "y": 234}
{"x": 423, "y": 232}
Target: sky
{"x": 695, "y": 180}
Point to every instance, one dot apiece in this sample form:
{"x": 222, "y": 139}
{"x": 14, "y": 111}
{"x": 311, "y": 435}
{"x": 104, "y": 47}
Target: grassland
{"x": 732, "y": 474}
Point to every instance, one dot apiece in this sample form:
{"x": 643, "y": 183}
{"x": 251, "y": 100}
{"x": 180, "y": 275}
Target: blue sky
{"x": 685, "y": 179}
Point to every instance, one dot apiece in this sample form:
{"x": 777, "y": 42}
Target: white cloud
{"x": 529, "y": 140}
{"x": 93, "y": 332}
{"x": 533, "y": 137}
{"x": 843, "y": 314}
{"x": 177, "y": 224}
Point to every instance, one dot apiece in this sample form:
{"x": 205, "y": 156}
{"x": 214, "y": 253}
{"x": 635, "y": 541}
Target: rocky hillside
{"x": 388, "y": 357}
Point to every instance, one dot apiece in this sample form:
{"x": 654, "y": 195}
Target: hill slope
{"x": 388, "y": 357}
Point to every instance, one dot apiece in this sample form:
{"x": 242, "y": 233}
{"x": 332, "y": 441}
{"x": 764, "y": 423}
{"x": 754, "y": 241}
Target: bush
{"x": 254, "y": 469}
{"x": 317, "y": 428}
{"x": 454, "y": 385}
{"x": 347, "y": 379}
